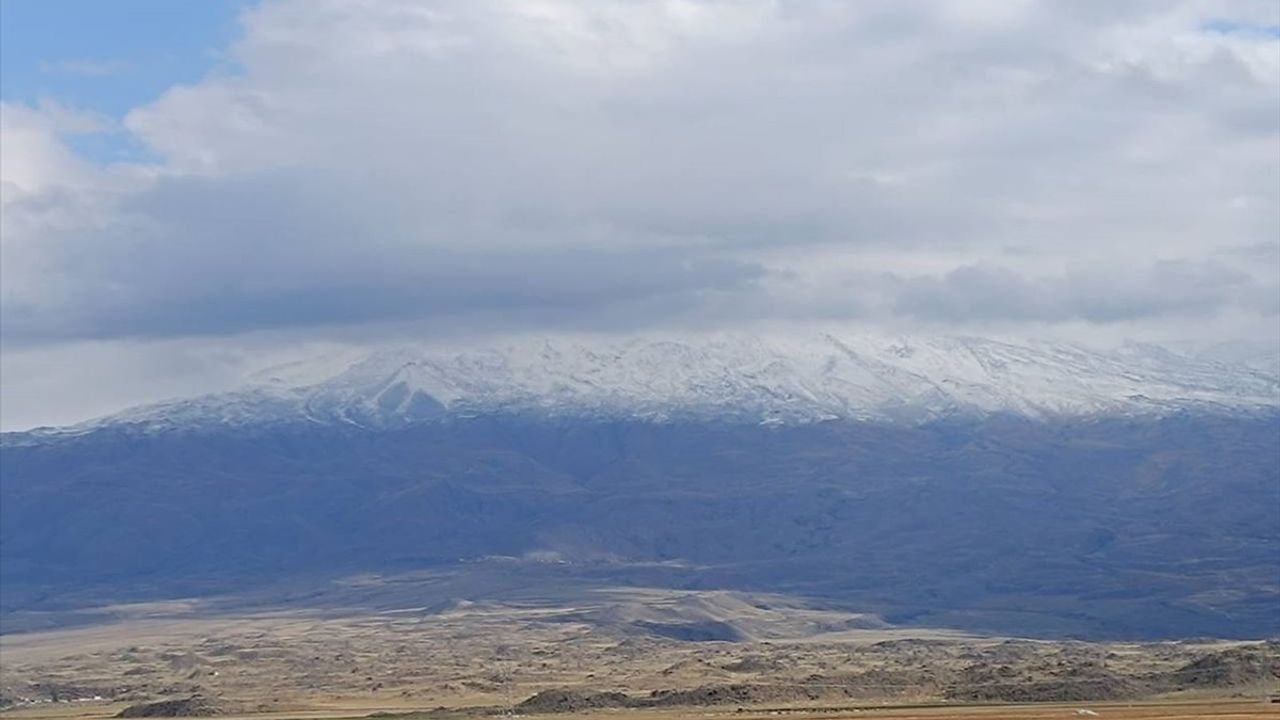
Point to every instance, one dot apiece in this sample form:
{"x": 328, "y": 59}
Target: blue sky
{"x": 1229, "y": 26}
{"x": 109, "y": 57}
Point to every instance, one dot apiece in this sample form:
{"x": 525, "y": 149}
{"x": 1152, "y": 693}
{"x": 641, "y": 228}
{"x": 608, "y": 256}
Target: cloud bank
{"x": 618, "y": 166}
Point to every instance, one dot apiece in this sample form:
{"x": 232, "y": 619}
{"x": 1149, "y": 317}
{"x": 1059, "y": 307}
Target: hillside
{"x": 1061, "y": 509}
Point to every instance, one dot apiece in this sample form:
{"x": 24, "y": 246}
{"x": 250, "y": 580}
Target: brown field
{"x": 615, "y": 653}
{"x": 1239, "y": 709}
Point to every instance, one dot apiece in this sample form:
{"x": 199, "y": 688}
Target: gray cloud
{"x": 622, "y": 165}
{"x": 1161, "y": 289}
{"x": 207, "y": 256}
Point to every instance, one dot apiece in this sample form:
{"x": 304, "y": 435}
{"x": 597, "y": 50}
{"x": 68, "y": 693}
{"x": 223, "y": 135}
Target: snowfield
{"x": 743, "y": 378}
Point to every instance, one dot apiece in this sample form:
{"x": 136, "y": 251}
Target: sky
{"x": 192, "y": 189}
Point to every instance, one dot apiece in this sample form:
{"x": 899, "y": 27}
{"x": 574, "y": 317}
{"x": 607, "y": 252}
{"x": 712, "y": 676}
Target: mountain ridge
{"x": 742, "y": 378}
{"x": 1036, "y": 488}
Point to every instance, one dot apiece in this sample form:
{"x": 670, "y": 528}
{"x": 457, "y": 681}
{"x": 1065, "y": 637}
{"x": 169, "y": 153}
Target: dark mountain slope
{"x": 1121, "y": 527}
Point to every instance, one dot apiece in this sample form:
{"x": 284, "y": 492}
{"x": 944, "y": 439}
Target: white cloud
{"x": 616, "y": 164}
{"x": 35, "y": 158}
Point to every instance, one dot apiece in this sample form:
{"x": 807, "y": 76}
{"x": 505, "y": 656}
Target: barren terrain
{"x": 656, "y": 653}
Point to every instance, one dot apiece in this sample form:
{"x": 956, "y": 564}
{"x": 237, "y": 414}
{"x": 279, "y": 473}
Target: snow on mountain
{"x": 751, "y": 378}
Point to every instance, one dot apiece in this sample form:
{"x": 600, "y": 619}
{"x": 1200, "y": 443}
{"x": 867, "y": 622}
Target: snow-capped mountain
{"x": 739, "y": 377}
{"x": 689, "y": 479}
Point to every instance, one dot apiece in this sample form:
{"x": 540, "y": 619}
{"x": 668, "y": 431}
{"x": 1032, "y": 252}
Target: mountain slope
{"x": 739, "y": 377}
{"x": 1125, "y": 527}
{"x": 1031, "y": 489}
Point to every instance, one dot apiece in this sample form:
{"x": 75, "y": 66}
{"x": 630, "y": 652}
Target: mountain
{"x": 1023, "y": 488}
{"x": 742, "y": 378}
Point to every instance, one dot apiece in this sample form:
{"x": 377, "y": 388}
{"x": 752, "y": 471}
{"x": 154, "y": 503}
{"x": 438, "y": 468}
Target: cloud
{"x": 35, "y": 157}
{"x": 1161, "y": 289}
{"x": 619, "y": 165}
{"x": 62, "y": 383}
